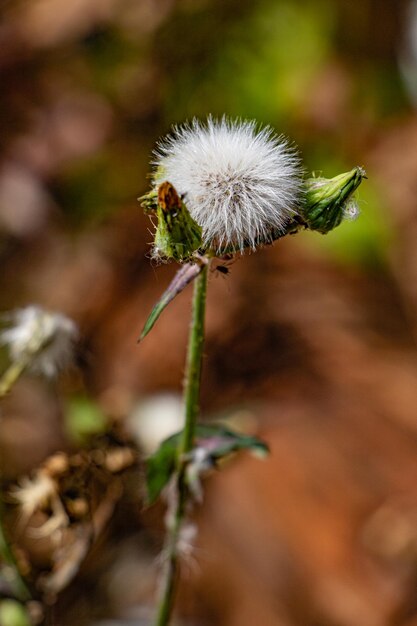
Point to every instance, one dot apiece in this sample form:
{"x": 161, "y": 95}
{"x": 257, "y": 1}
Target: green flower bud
{"x": 177, "y": 236}
{"x": 328, "y": 200}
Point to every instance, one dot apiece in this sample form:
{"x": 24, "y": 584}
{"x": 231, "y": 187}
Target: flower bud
{"x": 329, "y": 200}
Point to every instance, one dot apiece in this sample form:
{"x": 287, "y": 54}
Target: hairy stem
{"x": 194, "y": 359}
{"x": 191, "y": 403}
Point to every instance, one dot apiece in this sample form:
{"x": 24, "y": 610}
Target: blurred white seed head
{"x": 39, "y": 494}
{"x": 238, "y": 182}
{"x": 43, "y": 339}
{"x": 34, "y": 494}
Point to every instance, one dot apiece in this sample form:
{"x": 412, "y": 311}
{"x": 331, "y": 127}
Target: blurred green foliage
{"x": 259, "y": 68}
{"x": 12, "y": 613}
{"x": 83, "y": 420}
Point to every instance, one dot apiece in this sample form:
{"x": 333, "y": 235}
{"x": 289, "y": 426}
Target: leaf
{"x": 182, "y": 278}
{"x": 149, "y": 201}
{"x": 160, "y": 466}
{"x": 218, "y": 442}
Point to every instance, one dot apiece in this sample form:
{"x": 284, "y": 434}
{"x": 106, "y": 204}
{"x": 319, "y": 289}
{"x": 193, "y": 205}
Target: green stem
{"x": 16, "y": 582}
{"x": 194, "y": 359}
{"x": 11, "y": 375}
{"x": 191, "y": 403}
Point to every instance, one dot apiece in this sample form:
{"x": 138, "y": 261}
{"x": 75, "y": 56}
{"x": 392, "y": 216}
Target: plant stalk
{"x": 191, "y": 404}
{"x": 11, "y": 569}
{"x": 11, "y": 375}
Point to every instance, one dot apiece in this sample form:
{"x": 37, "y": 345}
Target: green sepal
{"x": 149, "y": 201}
{"x": 326, "y": 198}
{"x": 182, "y": 278}
{"x": 178, "y": 236}
{"x": 217, "y": 440}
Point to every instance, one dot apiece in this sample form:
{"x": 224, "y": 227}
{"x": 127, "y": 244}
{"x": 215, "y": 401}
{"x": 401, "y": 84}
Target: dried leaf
{"x": 185, "y": 275}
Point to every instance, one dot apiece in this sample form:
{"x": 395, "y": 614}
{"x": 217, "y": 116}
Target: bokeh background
{"x": 310, "y": 342}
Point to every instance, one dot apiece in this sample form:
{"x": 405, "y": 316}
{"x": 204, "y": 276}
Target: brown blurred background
{"x": 311, "y": 342}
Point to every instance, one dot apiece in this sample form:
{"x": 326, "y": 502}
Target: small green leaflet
{"x": 217, "y": 440}
{"x": 182, "y": 278}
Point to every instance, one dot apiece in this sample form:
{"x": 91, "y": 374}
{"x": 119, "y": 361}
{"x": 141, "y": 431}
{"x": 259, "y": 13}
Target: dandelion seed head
{"x": 45, "y": 339}
{"x": 239, "y": 183}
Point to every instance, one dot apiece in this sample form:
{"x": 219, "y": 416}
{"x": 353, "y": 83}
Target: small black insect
{"x": 223, "y": 269}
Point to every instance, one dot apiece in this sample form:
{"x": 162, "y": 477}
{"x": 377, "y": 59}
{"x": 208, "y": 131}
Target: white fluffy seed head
{"x": 238, "y": 182}
{"x": 43, "y": 339}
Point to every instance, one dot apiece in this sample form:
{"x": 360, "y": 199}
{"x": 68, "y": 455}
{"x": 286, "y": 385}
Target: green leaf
{"x": 218, "y": 442}
{"x": 149, "y": 201}
{"x": 182, "y": 278}
{"x": 159, "y": 468}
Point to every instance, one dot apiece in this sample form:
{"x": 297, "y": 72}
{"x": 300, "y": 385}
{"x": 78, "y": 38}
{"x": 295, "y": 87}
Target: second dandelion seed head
{"x": 42, "y": 339}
